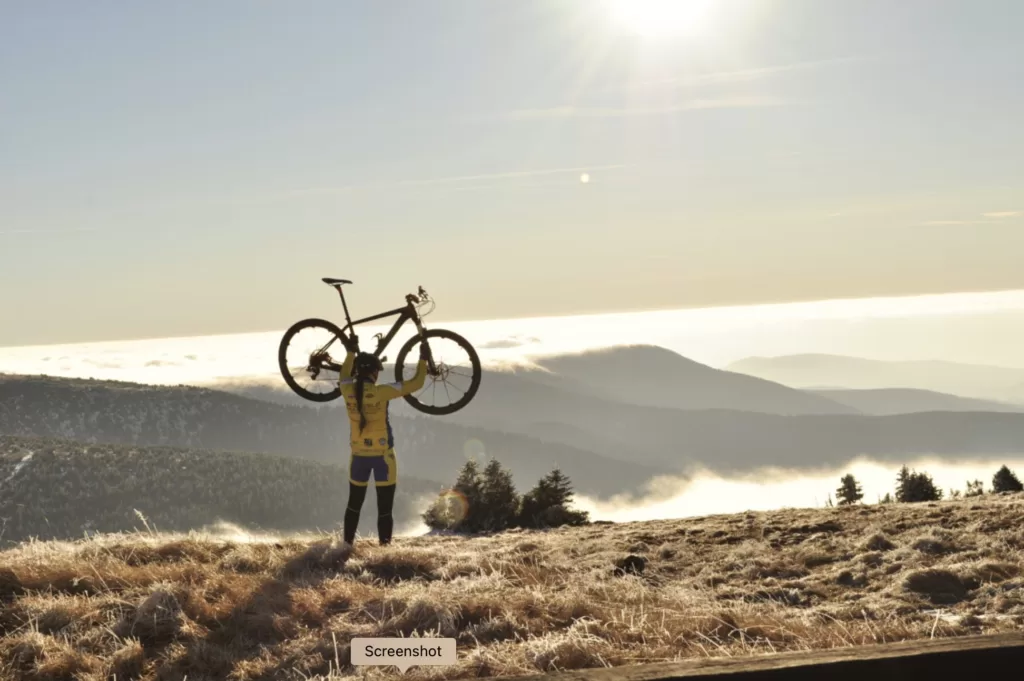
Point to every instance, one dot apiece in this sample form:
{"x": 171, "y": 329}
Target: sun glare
{"x": 662, "y": 18}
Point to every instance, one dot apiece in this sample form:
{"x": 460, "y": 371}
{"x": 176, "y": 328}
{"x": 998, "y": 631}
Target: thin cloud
{"x": 1003, "y": 214}
{"x": 962, "y": 223}
{"x": 740, "y": 75}
{"x": 48, "y": 231}
{"x": 731, "y": 76}
{"x": 562, "y": 112}
{"x": 454, "y": 179}
{"x": 507, "y": 343}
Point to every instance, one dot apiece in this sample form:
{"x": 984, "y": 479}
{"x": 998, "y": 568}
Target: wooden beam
{"x": 958, "y": 658}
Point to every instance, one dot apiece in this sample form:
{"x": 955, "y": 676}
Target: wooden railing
{"x": 966, "y": 658}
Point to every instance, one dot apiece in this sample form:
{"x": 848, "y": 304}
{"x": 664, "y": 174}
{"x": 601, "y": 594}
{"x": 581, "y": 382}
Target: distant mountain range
{"x": 888, "y": 401}
{"x": 638, "y": 375}
{"x": 611, "y": 420}
{"x": 577, "y": 412}
{"x": 655, "y": 377}
{"x": 198, "y": 418}
{"x": 818, "y": 371}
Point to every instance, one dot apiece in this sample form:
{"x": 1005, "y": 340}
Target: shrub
{"x": 547, "y": 504}
{"x": 1006, "y": 480}
{"x": 974, "y": 489}
{"x": 912, "y": 486}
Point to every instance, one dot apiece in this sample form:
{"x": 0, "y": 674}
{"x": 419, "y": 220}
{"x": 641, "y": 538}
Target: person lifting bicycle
{"x": 372, "y": 440}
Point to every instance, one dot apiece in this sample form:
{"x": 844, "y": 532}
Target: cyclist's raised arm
{"x": 345, "y": 372}
{"x": 390, "y": 391}
{"x": 345, "y": 369}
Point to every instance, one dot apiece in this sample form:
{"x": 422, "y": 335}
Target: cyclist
{"x": 372, "y": 441}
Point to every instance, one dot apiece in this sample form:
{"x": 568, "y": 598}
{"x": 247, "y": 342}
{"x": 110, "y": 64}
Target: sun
{"x": 662, "y": 18}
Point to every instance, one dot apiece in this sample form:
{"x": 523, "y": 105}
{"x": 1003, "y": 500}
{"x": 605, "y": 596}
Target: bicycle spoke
{"x": 299, "y": 364}
{"x": 447, "y": 393}
{"x": 454, "y": 386}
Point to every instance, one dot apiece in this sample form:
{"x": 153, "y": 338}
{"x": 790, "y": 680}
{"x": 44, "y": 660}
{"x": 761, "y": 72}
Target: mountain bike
{"x": 313, "y": 360}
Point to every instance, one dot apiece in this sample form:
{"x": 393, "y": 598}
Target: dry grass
{"x": 145, "y": 607}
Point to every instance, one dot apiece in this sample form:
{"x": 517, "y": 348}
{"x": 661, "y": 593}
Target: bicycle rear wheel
{"x": 302, "y": 356}
{"x": 456, "y": 379}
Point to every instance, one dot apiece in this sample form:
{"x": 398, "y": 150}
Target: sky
{"x": 184, "y": 169}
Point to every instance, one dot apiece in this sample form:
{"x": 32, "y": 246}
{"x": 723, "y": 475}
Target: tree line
{"x": 914, "y": 486}
{"x": 487, "y": 501}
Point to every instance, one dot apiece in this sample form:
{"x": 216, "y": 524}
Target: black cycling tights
{"x": 385, "y": 502}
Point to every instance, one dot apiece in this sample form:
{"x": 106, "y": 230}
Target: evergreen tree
{"x": 887, "y": 499}
{"x": 913, "y": 487}
{"x": 440, "y": 515}
{"x": 1006, "y": 481}
{"x": 902, "y": 483}
{"x": 849, "y": 491}
{"x": 499, "y": 501}
{"x": 458, "y": 511}
{"x": 547, "y": 504}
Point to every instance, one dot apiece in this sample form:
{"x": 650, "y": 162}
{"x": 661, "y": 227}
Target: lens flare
{"x": 452, "y": 506}
{"x": 474, "y": 450}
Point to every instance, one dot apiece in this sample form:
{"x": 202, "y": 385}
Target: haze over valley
{"x": 642, "y": 430}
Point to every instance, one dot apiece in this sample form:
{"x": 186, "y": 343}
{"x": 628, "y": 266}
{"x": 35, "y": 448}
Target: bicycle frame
{"x": 405, "y": 313}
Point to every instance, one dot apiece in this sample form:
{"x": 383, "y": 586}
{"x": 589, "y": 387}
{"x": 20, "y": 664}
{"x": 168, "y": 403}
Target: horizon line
{"x": 580, "y": 315}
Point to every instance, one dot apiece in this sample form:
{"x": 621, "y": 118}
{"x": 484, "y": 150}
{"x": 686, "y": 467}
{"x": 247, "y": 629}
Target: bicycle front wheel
{"x": 303, "y": 355}
{"x": 456, "y": 379}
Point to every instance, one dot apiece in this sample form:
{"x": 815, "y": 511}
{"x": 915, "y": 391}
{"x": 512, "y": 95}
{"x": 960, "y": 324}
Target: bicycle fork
{"x": 431, "y": 366}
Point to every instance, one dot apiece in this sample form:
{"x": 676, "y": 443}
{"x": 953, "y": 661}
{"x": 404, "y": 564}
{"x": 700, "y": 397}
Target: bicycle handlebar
{"x": 413, "y": 298}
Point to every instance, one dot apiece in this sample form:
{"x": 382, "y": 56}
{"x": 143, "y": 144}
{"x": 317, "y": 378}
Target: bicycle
{"x": 317, "y": 362}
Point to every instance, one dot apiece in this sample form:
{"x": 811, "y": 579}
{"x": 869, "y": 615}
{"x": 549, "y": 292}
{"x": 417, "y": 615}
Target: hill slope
{"x": 188, "y": 607}
{"x": 836, "y": 371}
{"x": 887, "y": 401}
{"x": 653, "y": 376}
{"x": 59, "y": 489}
{"x": 199, "y": 418}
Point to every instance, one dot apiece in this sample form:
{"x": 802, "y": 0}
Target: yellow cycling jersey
{"x": 376, "y": 438}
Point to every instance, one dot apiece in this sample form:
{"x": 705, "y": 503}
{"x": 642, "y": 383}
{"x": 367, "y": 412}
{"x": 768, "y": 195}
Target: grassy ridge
{"x": 175, "y": 607}
{"x": 66, "y": 488}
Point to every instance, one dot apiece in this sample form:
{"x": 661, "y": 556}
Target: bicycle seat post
{"x": 348, "y": 318}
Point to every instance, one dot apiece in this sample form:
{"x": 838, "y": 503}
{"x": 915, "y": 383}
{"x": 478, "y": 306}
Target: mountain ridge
{"x": 651, "y": 375}
{"x": 886, "y": 401}
{"x": 978, "y": 381}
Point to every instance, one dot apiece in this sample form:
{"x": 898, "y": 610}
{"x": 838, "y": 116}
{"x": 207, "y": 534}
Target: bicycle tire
{"x": 461, "y": 342}
{"x": 282, "y": 359}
